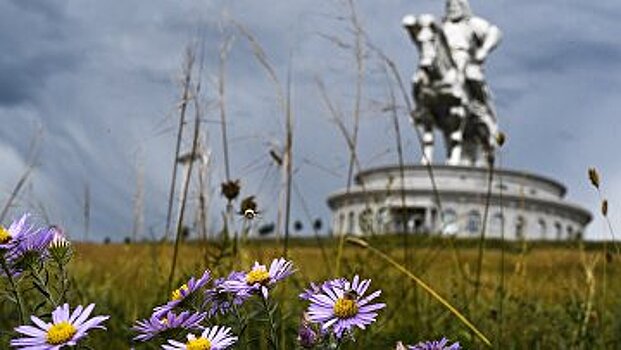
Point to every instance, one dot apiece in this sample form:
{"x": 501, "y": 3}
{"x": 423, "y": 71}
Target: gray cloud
{"x": 34, "y": 45}
{"x": 101, "y": 78}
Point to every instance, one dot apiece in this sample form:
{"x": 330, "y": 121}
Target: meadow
{"x": 535, "y": 295}
{"x": 481, "y": 293}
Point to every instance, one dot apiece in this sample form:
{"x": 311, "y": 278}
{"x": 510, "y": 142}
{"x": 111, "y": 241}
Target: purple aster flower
{"x": 7, "y": 236}
{"x": 167, "y": 324}
{"x": 316, "y": 289}
{"x": 441, "y": 344}
{"x": 184, "y": 295}
{"x": 343, "y": 306}
{"x": 259, "y": 278}
{"x": 66, "y": 328}
{"x": 307, "y": 335}
{"x": 218, "y": 300}
{"x": 212, "y": 338}
{"x": 15, "y": 232}
{"x": 28, "y": 247}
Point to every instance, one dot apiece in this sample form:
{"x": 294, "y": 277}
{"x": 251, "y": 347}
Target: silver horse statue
{"x": 449, "y": 88}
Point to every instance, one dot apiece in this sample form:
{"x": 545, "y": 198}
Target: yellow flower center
{"x": 257, "y": 275}
{"x": 176, "y": 294}
{"x": 5, "y": 236}
{"x": 60, "y": 333}
{"x": 345, "y": 308}
{"x": 198, "y": 344}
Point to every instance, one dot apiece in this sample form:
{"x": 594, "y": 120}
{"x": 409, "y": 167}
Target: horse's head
{"x": 423, "y": 31}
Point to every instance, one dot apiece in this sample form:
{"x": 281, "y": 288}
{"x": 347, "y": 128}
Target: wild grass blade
{"x": 361, "y": 243}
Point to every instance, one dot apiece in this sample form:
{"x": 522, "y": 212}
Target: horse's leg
{"x": 476, "y": 143}
{"x": 470, "y": 152}
{"x": 488, "y": 131}
{"x": 428, "y": 141}
{"x": 456, "y": 136}
{"x": 422, "y": 119}
{"x": 489, "y": 150}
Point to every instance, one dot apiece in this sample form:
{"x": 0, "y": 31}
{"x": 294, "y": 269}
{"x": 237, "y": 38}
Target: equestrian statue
{"x": 449, "y": 87}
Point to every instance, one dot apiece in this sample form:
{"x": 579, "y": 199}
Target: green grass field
{"x": 548, "y": 296}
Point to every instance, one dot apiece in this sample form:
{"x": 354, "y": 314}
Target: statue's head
{"x": 457, "y": 10}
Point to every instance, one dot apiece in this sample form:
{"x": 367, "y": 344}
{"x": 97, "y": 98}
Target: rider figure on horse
{"x": 449, "y": 86}
{"x": 470, "y": 39}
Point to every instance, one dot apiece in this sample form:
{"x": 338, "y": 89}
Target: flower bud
{"x": 594, "y": 177}
{"x": 60, "y": 247}
{"x": 605, "y": 207}
{"x": 230, "y": 189}
{"x": 307, "y": 337}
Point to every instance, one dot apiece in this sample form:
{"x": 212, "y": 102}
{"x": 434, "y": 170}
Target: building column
{"x": 427, "y": 224}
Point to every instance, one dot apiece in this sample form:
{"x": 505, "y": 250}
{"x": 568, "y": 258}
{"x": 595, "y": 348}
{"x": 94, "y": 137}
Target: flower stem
{"x": 241, "y": 327}
{"x": 62, "y": 296}
{"x": 43, "y": 288}
{"x": 16, "y": 294}
{"x": 273, "y": 337}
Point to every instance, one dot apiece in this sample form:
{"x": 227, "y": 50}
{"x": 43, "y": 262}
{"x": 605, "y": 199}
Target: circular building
{"x": 452, "y": 200}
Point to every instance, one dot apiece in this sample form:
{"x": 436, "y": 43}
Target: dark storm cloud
{"x": 102, "y": 80}
{"x": 34, "y": 40}
{"x": 21, "y": 81}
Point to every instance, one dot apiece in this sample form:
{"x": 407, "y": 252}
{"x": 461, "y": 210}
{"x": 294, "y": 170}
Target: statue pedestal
{"x": 522, "y": 205}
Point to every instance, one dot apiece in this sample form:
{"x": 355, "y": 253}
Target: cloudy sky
{"x": 99, "y": 81}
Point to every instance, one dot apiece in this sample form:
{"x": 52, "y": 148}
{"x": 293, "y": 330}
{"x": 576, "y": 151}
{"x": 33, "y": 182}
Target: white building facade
{"x": 394, "y": 200}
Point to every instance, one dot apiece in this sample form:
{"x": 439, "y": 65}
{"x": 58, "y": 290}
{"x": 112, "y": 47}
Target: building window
{"x": 558, "y": 228}
{"x": 570, "y": 232}
{"x": 520, "y": 225}
{"x": 382, "y": 220}
{"x": 449, "y": 216}
{"x": 497, "y": 224}
{"x": 341, "y": 224}
{"x": 351, "y": 222}
{"x": 543, "y": 229}
{"x": 365, "y": 221}
{"x": 473, "y": 225}
{"x": 449, "y": 221}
